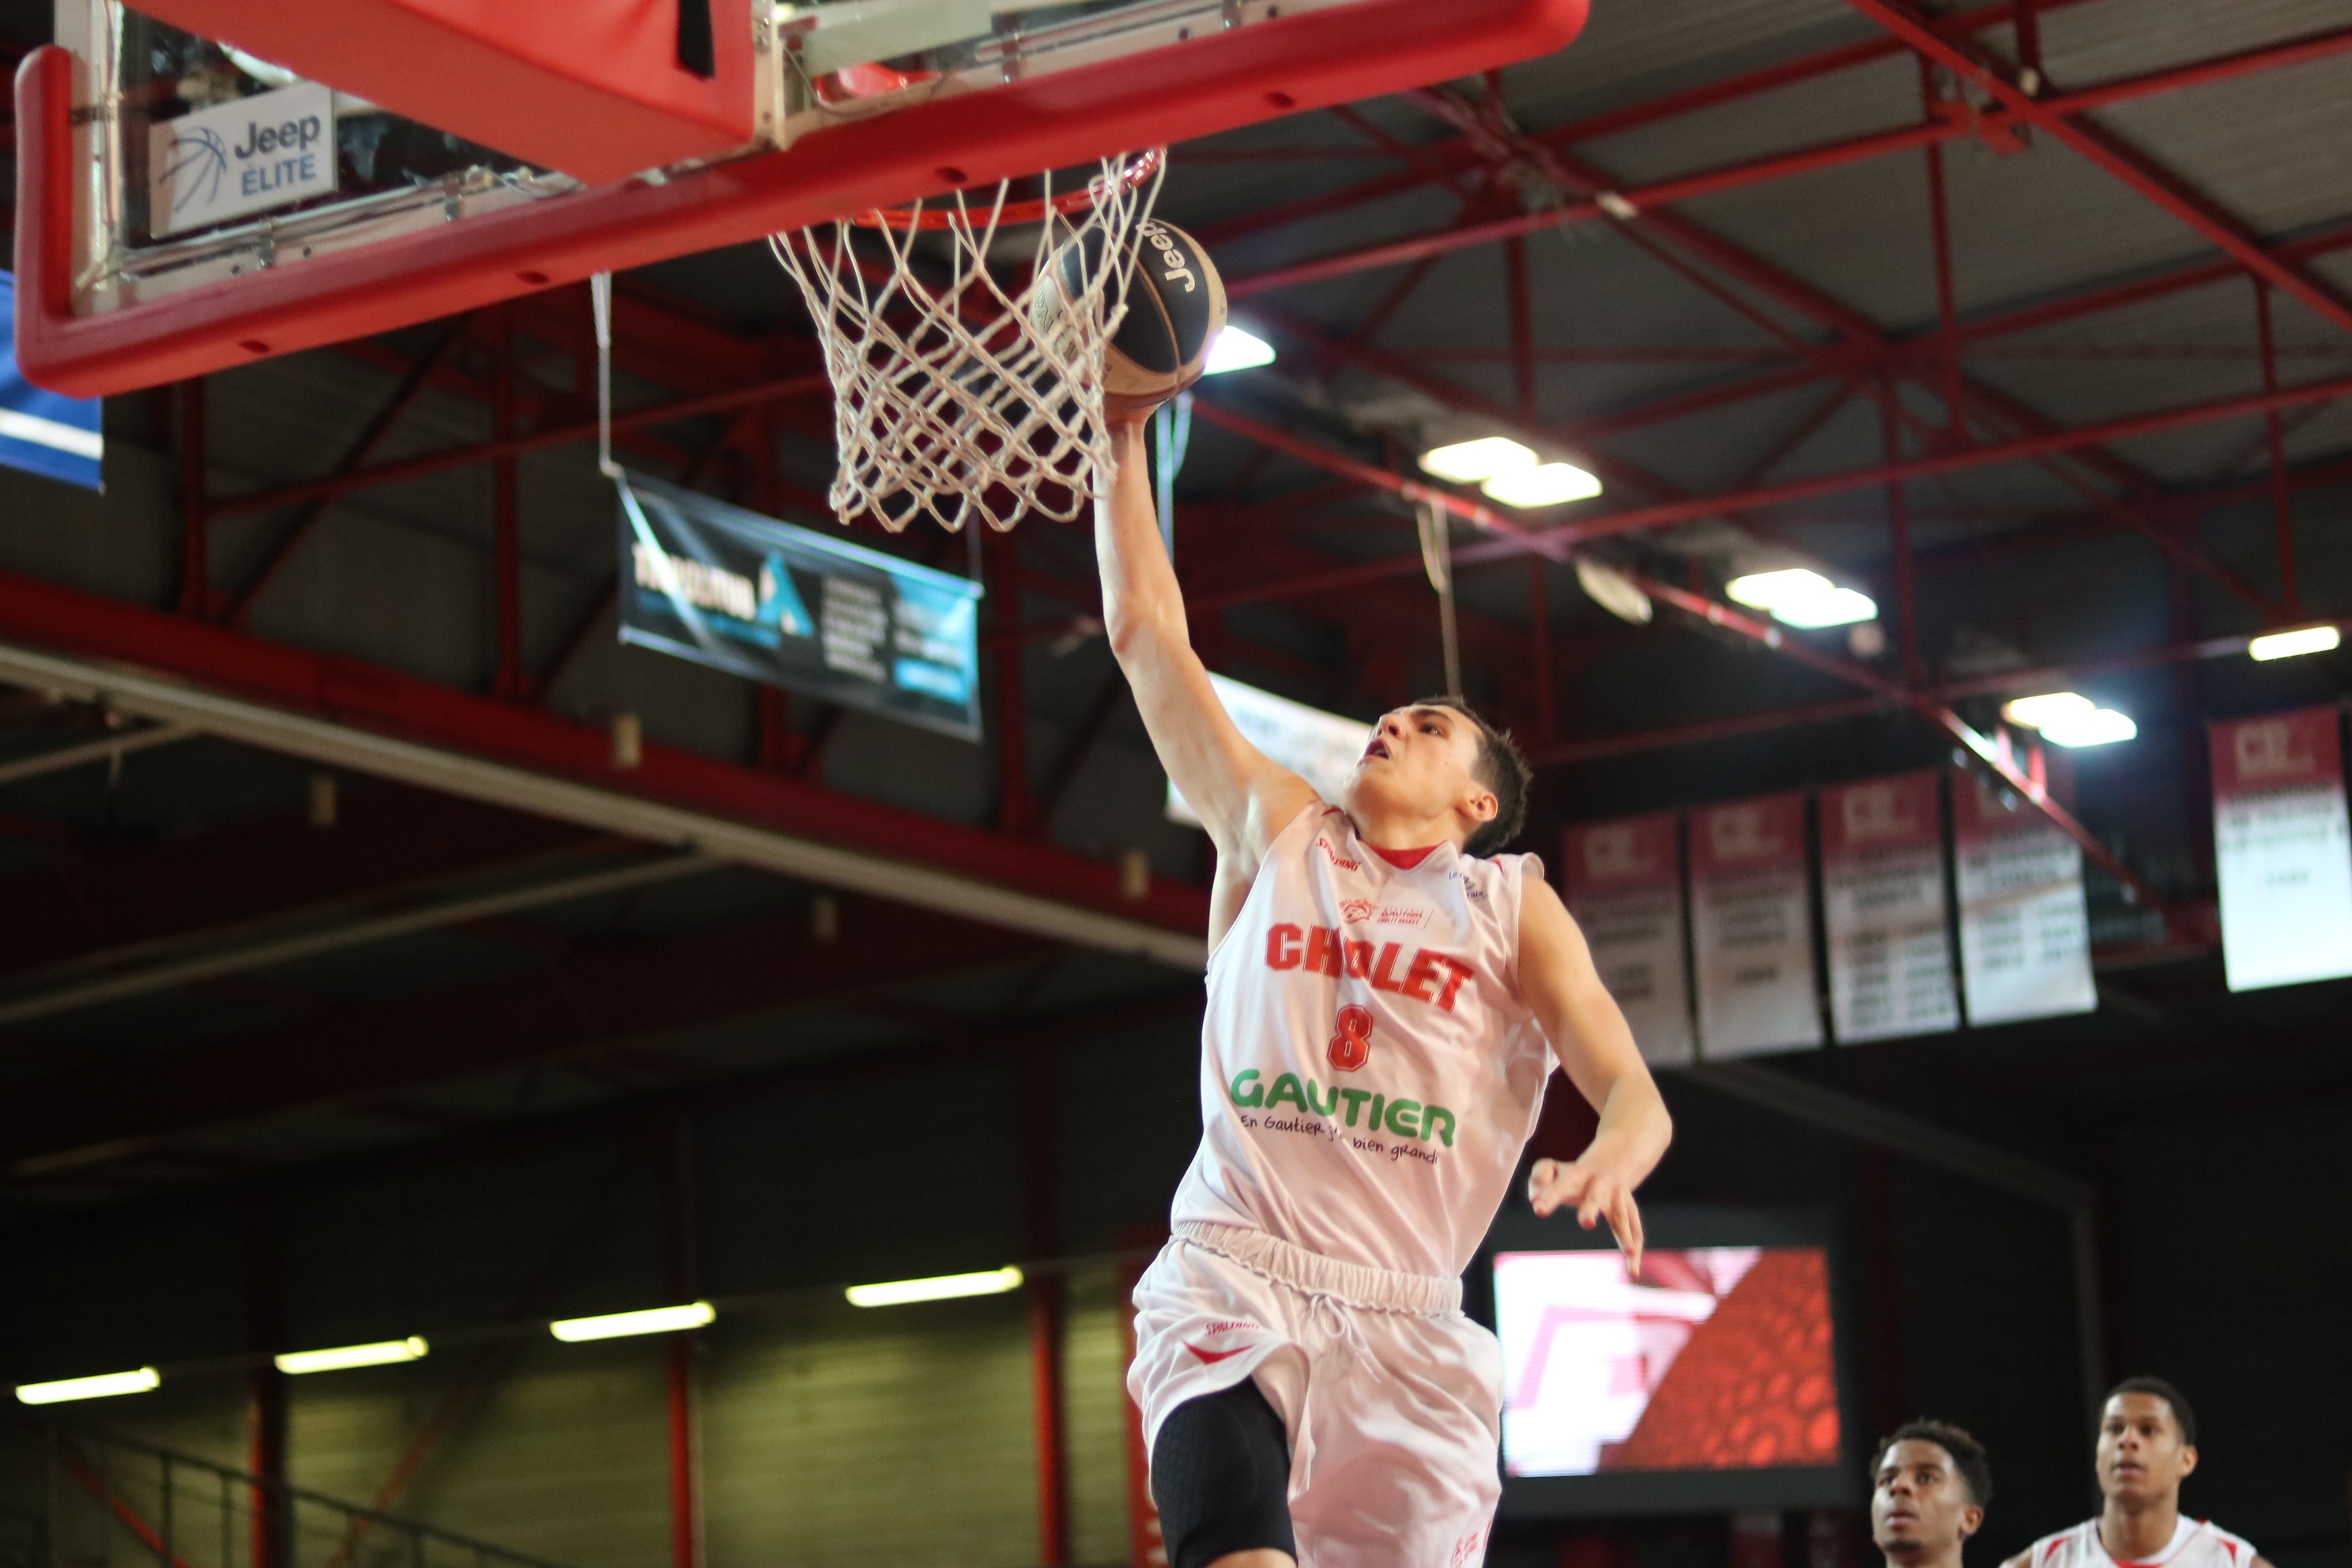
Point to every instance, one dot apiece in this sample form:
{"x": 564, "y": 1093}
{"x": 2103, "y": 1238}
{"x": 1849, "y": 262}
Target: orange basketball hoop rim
{"x": 952, "y": 210}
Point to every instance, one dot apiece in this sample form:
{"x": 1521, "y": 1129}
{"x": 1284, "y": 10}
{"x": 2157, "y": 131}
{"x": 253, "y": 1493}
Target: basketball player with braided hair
{"x": 1387, "y": 996}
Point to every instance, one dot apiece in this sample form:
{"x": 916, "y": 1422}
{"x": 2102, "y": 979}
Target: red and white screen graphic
{"x": 1717, "y": 1358}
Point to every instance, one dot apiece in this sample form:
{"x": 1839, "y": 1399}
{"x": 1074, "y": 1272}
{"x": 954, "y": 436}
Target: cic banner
{"x": 793, "y": 608}
{"x": 1883, "y": 908}
{"x": 1751, "y": 925}
{"x": 2025, "y": 930}
{"x": 2280, "y": 845}
{"x": 1625, "y": 888}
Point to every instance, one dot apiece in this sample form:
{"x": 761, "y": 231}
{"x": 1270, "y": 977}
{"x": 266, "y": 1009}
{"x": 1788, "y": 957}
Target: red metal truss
{"x": 1732, "y": 176}
{"x": 2127, "y": 164}
{"x": 47, "y": 616}
{"x": 1928, "y": 466}
{"x": 1462, "y": 153}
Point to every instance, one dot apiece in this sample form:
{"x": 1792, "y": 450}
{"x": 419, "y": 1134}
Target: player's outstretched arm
{"x": 1243, "y": 799}
{"x": 1596, "y": 1047}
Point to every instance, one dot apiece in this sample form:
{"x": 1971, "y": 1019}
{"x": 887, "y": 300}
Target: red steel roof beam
{"x": 1662, "y": 514}
{"x": 2126, "y": 163}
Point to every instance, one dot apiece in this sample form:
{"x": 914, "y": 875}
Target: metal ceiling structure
{"x": 2033, "y": 318}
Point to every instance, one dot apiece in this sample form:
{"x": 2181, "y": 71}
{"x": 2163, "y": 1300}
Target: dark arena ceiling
{"x": 2063, "y": 381}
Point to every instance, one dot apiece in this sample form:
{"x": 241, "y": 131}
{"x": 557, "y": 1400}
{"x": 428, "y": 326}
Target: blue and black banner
{"x": 42, "y": 431}
{"x": 797, "y": 608}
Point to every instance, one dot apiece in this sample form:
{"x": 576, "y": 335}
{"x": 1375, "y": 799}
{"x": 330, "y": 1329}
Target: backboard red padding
{"x": 1304, "y": 60}
{"x": 592, "y": 87}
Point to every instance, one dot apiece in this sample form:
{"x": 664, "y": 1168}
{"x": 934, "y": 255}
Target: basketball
{"x": 1175, "y": 308}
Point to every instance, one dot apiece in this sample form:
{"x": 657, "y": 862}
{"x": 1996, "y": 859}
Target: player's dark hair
{"x": 1501, "y": 768}
{"x": 2182, "y": 1416}
{"x": 1968, "y": 1454}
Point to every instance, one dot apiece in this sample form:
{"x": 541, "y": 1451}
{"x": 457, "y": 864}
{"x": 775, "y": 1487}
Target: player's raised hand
{"x": 1595, "y": 1195}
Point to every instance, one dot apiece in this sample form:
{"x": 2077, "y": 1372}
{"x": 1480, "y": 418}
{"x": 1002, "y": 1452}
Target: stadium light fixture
{"x": 1545, "y": 484}
{"x": 1476, "y": 462}
{"x": 1237, "y": 350}
{"x": 939, "y": 1287}
{"x": 618, "y": 1325}
{"x": 1799, "y": 597}
{"x": 383, "y": 1352}
{"x": 102, "y": 1387}
{"x": 2099, "y": 727}
{"x": 2289, "y": 645}
{"x": 2050, "y": 707}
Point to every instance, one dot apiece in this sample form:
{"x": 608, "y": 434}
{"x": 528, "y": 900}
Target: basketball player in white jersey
{"x": 2147, "y": 1447}
{"x": 1929, "y": 1493}
{"x": 1386, "y": 999}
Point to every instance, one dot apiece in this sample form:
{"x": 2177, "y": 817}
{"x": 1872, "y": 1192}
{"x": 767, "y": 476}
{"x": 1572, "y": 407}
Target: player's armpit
{"x": 1243, "y": 797}
{"x": 1589, "y": 1031}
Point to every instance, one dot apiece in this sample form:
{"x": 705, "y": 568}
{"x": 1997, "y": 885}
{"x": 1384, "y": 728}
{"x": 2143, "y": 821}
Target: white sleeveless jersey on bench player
{"x": 2196, "y": 1544}
{"x": 1369, "y": 1073}
{"x": 1368, "y": 1078}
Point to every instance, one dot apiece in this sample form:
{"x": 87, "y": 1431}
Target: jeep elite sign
{"x": 245, "y": 156}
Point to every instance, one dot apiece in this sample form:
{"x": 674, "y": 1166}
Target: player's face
{"x": 1422, "y": 759}
{"x": 2141, "y": 1455}
{"x": 1920, "y": 1510}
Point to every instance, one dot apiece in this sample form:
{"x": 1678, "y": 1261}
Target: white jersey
{"x": 1369, "y": 1072}
{"x": 2196, "y": 1544}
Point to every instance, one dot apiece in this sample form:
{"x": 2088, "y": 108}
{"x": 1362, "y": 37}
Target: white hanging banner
{"x": 2280, "y": 845}
{"x": 1883, "y": 908}
{"x": 1752, "y": 928}
{"x": 1321, "y": 748}
{"x": 2025, "y": 930}
{"x": 1625, "y": 890}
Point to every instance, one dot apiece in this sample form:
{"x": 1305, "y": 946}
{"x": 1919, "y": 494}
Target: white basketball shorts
{"x": 1391, "y": 1398}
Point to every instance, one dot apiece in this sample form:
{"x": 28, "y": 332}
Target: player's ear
{"x": 1971, "y": 1519}
{"x": 2187, "y": 1460}
{"x": 1481, "y": 805}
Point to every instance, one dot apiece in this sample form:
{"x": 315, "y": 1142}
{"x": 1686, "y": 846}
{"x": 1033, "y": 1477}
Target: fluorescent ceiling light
{"x": 2100, "y": 727}
{"x": 1547, "y": 484}
{"x": 1767, "y": 590}
{"x": 1237, "y": 350}
{"x": 1797, "y": 597}
{"x": 898, "y": 1292}
{"x": 2287, "y": 645}
{"x": 1838, "y": 607}
{"x": 1471, "y": 462}
{"x": 100, "y": 1387}
{"x": 381, "y": 1353}
{"x": 615, "y": 1325}
{"x": 2052, "y": 707}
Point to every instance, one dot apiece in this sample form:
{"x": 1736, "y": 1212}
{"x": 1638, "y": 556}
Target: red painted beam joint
{"x": 346, "y": 690}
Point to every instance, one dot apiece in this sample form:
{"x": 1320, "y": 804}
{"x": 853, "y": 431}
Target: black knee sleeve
{"x": 1221, "y": 1476}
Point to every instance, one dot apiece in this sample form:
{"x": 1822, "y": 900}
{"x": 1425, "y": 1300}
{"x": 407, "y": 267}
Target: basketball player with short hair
{"x": 1929, "y": 1493}
{"x": 2147, "y": 1447}
{"x": 1387, "y": 997}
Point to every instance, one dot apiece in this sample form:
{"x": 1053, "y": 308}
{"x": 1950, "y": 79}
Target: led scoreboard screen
{"x": 1712, "y": 1381}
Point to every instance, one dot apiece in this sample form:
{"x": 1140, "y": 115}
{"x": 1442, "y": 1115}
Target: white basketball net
{"x": 951, "y": 399}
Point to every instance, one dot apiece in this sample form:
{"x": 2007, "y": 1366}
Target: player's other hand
{"x": 1595, "y": 1196}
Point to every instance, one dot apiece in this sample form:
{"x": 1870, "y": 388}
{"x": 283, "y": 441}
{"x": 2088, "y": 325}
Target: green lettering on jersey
{"x": 1321, "y": 1108}
{"x": 1255, "y": 1095}
{"x": 1285, "y": 1087}
{"x": 1401, "y": 1114}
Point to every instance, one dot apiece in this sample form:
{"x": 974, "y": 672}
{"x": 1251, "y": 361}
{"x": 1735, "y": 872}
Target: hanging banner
{"x": 2025, "y": 929}
{"x": 1883, "y": 908}
{"x": 1752, "y": 928}
{"x": 1625, "y": 890}
{"x": 1321, "y": 748}
{"x": 2280, "y": 845}
{"x": 797, "y": 608}
{"x": 44, "y": 432}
